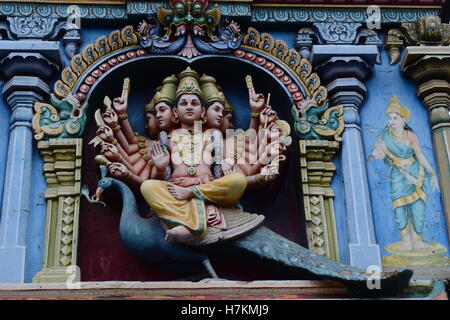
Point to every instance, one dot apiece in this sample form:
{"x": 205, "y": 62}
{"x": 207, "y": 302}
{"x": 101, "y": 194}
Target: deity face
{"x": 152, "y": 124}
{"x": 396, "y": 121}
{"x": 164, "y": 115}
{"x": 227, "y": 122}
{"x": 214, "y": 114}
{"x": 189, "y": 109}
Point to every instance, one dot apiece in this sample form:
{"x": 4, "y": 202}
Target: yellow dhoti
{"x": 223, "y": 192}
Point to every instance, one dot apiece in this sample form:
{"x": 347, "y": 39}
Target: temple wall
{"x": 384, "y": 81}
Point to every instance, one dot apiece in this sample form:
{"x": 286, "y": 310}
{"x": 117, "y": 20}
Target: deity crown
{"x": 210, "y": 90}
{"x": 188, "y": 83}
{"x": 164, "y": 93}
{"x": 395, "y": 107}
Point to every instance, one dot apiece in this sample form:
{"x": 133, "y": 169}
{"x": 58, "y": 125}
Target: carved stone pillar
{"x": 426, "y": 61}
{"x": 62, "y": 170}
{"x": 26, "y": 67}
{"x": 428, "y": 73}
{"x": 317, "y": 171}
{"x": 21, "y": 92}
{"x": 343, "y": 61}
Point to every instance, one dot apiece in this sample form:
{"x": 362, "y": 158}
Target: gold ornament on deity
{"x": 190, "y": 148}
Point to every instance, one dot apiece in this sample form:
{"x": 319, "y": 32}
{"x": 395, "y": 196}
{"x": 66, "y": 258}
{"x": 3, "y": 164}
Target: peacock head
{"x": 103, "y": 184}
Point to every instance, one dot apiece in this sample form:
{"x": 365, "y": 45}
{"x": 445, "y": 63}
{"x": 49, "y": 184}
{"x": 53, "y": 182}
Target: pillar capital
{"x": 29, "y": 87}
{"x": 324, "y": 40}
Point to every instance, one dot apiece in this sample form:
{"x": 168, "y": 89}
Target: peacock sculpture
{"x": 144, "y": 238}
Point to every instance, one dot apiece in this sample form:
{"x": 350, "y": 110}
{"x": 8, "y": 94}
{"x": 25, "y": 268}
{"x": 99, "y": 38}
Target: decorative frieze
{"x": 305, "y": 14}
{"x": 234, "y": 9}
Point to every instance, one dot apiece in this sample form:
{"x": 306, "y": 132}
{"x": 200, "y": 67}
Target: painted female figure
{"x": 411, "y": 175}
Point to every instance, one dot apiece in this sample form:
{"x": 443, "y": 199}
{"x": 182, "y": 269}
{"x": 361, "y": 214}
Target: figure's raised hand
{"x": 117, "y": 170}
{"x": 160, "y": 157}
{"x": 120, "y": 105}
{"x": 272, "y": 132}
{"x": 105, "y": 133}
{"x": 110, "y": 151}
{"x": 268, "y": 116}
{"x": 256, "y": 101}
{"x": 110, "y": 117}
{"x": 273, "y": 150}
{"x": 270, "y": 172}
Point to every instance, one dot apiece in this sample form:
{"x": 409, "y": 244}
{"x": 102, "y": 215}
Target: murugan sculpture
{"x": 192, "y": 174}
{"x": 190, "y": 168}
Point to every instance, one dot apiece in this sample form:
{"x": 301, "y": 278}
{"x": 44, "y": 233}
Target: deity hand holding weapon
{"x": 131, "y": 158}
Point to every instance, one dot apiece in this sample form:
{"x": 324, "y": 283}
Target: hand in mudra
{"x": 120, "y": 105}
{"x": 105, "y": 133}
{"x": 160, "y": 157}
{"x": 270, "y": 172}
{"x": 228, "y": 168}
{"x": 256, "y": 101}
{"x": 110, "y": 117}
{"x": 110, "y": 151}
{"x": 117, "y": 170}
{"x": 273, "y": 150}
{"x": 268, "y": 115}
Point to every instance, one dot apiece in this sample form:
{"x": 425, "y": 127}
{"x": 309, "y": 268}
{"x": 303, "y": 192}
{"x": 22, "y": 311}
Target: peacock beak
{"x": 98, "y": 194}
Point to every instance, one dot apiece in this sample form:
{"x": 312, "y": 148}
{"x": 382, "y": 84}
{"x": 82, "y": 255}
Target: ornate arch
{"x": 59, "y": 127}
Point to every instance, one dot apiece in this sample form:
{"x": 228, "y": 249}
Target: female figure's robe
{"x": 409, "y": 183}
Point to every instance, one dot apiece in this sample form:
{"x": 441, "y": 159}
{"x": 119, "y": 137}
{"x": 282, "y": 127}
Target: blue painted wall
{"x": 5, "y": 114}
{"x": 386, "y": 82}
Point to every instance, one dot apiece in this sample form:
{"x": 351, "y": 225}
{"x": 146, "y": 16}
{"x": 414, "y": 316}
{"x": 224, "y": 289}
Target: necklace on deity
{"x": 190, "y": 148}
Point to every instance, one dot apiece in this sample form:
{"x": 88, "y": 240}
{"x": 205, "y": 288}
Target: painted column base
{"x": 57, "y": 275}
{"x": 12, "y": 266}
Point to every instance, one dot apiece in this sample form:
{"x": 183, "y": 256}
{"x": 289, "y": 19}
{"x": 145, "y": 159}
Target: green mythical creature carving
{"x": 314, "y": 122}
{"x": 189, "y": 28}
{"x": 61, "y": 119}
